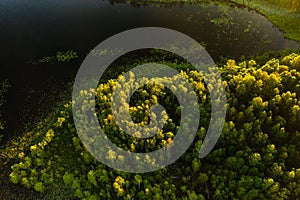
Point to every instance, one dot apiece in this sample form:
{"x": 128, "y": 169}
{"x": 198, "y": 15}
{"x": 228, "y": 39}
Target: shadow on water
{"x": 31, "y": 30}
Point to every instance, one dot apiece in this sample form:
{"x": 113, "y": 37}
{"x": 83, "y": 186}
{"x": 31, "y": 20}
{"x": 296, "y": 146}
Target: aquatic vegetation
{"x": 224, "y": 21}
{"x": 61, "y": 56}
{"x": 284, "y": 14}
{"x": 66, "y": 56}
{"x": 257, "y": 151}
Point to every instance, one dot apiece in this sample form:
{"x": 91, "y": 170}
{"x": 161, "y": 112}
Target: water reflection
{"x": 34, "y": 29}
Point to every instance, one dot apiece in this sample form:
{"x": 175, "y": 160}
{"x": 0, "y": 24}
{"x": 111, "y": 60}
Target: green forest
{"x": 256, "y": 156}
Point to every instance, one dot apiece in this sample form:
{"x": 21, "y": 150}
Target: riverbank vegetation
{"x": 255, "y": 158}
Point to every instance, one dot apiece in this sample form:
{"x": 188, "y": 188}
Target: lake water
{"x": 33, "y": 29}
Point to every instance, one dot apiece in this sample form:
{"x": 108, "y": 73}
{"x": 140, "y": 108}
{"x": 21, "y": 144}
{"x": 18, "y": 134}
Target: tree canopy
{"x": 256, "y": 157}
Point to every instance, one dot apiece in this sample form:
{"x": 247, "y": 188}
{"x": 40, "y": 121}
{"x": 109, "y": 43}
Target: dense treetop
{"x": 257, "y": 156}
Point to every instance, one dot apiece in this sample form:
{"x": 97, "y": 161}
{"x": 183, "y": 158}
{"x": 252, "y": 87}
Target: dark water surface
{"x": 34, "y": 29}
